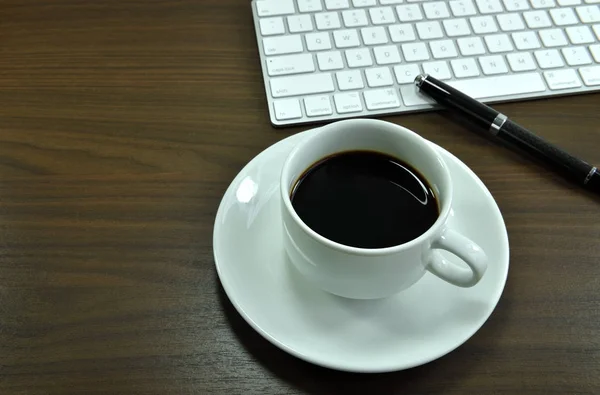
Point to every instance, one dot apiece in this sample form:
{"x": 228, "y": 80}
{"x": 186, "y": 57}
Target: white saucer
{"x": 416, "y": 326}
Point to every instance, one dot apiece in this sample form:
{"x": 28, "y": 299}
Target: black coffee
{"x": 365, "y": 199}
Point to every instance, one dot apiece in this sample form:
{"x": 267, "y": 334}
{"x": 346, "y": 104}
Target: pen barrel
{"x": 453, "y": 99}
{"x": 561, "y": 161}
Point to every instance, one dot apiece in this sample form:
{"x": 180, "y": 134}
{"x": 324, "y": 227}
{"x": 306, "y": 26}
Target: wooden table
{"x": 122, "y": 124}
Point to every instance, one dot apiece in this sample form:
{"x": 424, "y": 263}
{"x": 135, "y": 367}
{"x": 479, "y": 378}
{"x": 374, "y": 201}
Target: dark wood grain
{"x": 121, "y": 125}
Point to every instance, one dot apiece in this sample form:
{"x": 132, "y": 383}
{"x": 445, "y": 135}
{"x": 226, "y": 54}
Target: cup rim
{"x": 445, "y": 204}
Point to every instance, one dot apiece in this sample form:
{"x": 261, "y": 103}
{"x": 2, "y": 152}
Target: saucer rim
{"x": 323, "y": 362}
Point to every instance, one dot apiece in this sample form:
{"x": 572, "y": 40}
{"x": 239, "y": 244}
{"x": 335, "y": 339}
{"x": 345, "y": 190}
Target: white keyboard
{"x": 326, "y": 60}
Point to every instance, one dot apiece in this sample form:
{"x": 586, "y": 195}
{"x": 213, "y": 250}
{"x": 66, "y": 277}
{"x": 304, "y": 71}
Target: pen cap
{"x": 453, "y": 99}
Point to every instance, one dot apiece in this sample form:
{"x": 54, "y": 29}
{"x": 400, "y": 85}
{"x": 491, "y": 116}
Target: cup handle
{"x": 463, "y": 248}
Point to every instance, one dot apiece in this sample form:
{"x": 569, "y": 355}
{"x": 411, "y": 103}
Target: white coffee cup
{"x": 361, "y": 273}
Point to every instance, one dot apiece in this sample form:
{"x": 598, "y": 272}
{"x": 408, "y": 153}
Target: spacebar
{"x": 486, "y": 87}
{"x": 515, "y": 84}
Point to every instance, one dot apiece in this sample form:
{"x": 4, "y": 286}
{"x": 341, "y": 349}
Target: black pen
{"x": 502, "y": 127}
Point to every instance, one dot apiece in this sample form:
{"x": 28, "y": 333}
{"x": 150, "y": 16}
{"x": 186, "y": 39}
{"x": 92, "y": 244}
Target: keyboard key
{"x": 374, "y": 35}
{"x": 456, "y": 27}
{"x": 489, "y": 6}
{"x": 537, "y": 19}
{"x": 568, "y": 2}
{"x": 553, "y": 38}
{"x": 360, "y": 57}
{"x": 415, "y": 51}
{"x": 543, "y": 3}
{"x": 563, "y": 16}
{"x": 282, "y": 45}
{"x": 548, "y": 59}
{"x": 438, "y": 69}
{"x": 301, "y": 85}
{"x": 494, "y": 64}
{"x": 483, "y": 24}
{"x": 390, "y": 2}
{"x": 525, "y": 40}
{"x": 336, "y": 4}
{"x": 364, "y": 3}
{"x": 351, "y": 79}
{"x": 464, "y": 68}
{"x": 387, "y": 54}
{"x": 382, "y": 15}
{"x": 412, "y": 97}
{"x": 471, "y": 46}
{"x": 580, "y": 35}
{"x": 274, "y": 7}
{"x": 590, "y": 75}
{"x": 378, "y": 99}
{"x": 402, "y": 33}
{"x": 409, "y": 13}
{"x": 497, "y": 43}
{"x": 271, "y": 26}
{"x": 597, "y": 31}
{"x": 290, "y": 64}
{"x": 443, "y": 49}
{"x": 562, "y": 79}
{"x": 318, "y": 41}
{"x": 317, "y": 106}
{"x": 309, "y": 5}
{"x": 406, "y": 74}
{"x": 300, "y": 23}
{"x": 521, "y": 61}
{"x": 436, "y": 10}
{"x": 589, "y": 14}
{"x": 595, "y": 50}
{"x": 355, "y": 18}
{"x": 327, "y": 20}
{"x": 330, "y": 60}
{"x": 462, "y": 8}
{"x": 287, "y": 109}
{"x": 379, "y": 76}
{"x": 510, "y": 22}
{"x": 576, "y": 56}
{"x": 498, "y": 86}
{"x": 429, "y": 30}
{"x": 516, "y": 5}
{"x": 347, "y": 102}
{"x": 346, "y": 38}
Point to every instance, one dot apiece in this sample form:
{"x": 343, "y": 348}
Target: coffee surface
{"x": 365, "y": 199}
